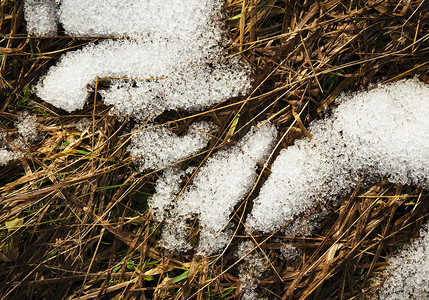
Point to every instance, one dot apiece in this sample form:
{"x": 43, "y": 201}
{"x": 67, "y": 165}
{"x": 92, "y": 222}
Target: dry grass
{"x": 82, "y": 228}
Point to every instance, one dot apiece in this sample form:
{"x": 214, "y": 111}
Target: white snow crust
{"x": 169, "y": 55}
{"x": 380, "y": 133}
{"x": 155, "y": 147}
{"x": 167, "y": 188}
{"x": 27, "y": 127}
{"x": 408, "y": 271}
{"x": 41, "y": 17}
{"x": 223, "y": 181}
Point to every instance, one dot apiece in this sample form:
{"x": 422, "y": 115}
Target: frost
{"x": 173, "y": 237}
{"x": 289, "y": 252}
{"x": 41, "y": 17}
{"x": 27, "y": 127}
{"x": 6, "y": 156}
{"x": 155, "y": 147}
{"x": 83, "y": 124}
{"x": 172, "y": 57}
{"x": 408, "y": 271}
{"x": 381, "y": 133}
{"x": 251, "y": 268}
{"x": 223, "y": 181}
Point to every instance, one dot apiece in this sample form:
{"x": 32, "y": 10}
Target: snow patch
{"x": 7, "y": 156}
{"x": 167, "y": 188}
{"x": 41, "y": 17}
{"x": 222, "y": 182}
{"x": 380, "y": 133}
{"x": 168, "y": 56}
{"x": 156, "y": 147}
{"x": 408, "y": 271}
{"x": 27, "y": 127}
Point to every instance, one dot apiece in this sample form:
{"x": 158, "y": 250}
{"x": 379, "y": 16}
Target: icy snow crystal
{"x": 223, "y": 181}
{"x": 136, "y": 18}
{"x": 383, "y": 132}
{"x": 408, "y": 271}
{"x": 27, "y": 127}
{"x": 172, "y": 54}
{"x": 167, "y": 188}
{"x": 83, "y": 124}
{"x": 41, "y": 17}
{"x": 157, "y": 147}
{"x": 6, "y": 156}
{"x": 251, "y": 268}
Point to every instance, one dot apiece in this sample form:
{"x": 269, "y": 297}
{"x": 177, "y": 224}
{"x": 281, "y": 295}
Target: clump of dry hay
{"x": 74, "y": 220}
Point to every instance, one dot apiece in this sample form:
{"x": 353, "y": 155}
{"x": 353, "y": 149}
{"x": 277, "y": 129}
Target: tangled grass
{"x": 74, "y": 221}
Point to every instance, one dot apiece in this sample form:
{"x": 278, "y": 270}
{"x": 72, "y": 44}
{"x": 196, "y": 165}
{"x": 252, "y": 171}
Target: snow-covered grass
{"x": 251, "y": 267}
{"x": 172, "y": 52}
{"x": 6, "y": 156}
{"x": 380, "y": 133}
{"x": 223, "y": 181}
{"x": 27, "y": 127}
{"x": 83, "y": 124}
{"x": 194, "y": 74}
{"x": 407, "y": 275}
{"x": 166, "y": 190}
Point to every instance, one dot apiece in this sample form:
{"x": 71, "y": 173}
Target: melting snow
{"x": 408, "y": 271}
{"x": 41, "y": 17}
{"x": 27, "y": 127}
{"x": 383, "y": 132}
{"x": 6, "y": 156}
{"x": 167, "y": 188}
{"x": 155, "y": 147}
{"x": 172, "y": 57}
{"x": 250, "y": 269}
{"x": 222, "y": 182}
